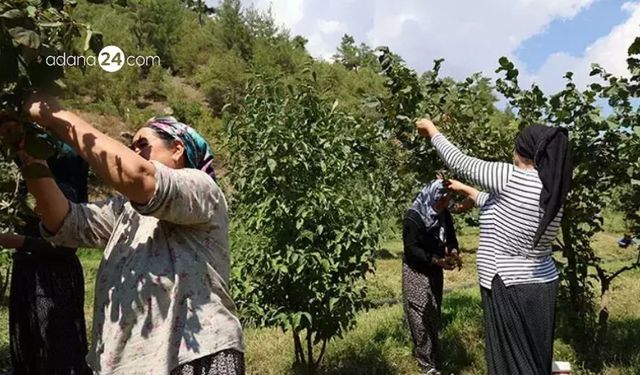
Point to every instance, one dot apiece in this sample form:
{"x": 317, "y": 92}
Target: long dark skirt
{"x": 225, "y": 362}
{"x": 519, "y": 323}
{"x": 422, "y": 300}
{"x": 46, "y": 314}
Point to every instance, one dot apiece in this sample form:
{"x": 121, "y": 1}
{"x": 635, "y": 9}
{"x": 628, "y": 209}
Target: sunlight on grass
{"x": 380, "y": 341}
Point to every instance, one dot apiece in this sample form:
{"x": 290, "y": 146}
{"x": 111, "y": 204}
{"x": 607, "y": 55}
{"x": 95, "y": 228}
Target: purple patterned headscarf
{"x": 198, "y": 153}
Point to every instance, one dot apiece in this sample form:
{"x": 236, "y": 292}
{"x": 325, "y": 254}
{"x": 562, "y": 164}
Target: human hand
{"x": 426, "y": 128}
{"x": 11, "y": 241}
{"x": 39, "y": 106}
{"x": 463, "y": 206}
{"x": 444, "y": 263}
{"x": 454, "y": 185}
{"x": 455, "y": 256}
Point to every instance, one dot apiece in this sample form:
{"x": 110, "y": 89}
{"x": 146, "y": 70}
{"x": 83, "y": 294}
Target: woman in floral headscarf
{"x": 162, "y": 303}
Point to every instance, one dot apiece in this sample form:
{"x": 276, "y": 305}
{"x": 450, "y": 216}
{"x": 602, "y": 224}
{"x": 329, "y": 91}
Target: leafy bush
{"x": 614, "y": 142}
{"x": 304, "y": 175}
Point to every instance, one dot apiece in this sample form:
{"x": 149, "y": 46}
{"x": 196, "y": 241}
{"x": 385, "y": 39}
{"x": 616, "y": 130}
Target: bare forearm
{"x": 470, "y": 192}
{"x": 51, "y": 203}
{"x": 120, "y": 167}
{"x": 11, "y": 241}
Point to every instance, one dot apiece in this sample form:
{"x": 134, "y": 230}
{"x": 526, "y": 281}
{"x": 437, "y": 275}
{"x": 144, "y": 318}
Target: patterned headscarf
{"x": 198, "y": 153}
{"x": 426, "y": 199}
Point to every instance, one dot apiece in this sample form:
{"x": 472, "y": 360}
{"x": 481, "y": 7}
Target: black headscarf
{"x": 550, "y": 151}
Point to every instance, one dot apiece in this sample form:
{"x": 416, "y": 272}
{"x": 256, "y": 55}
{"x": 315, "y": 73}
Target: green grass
{"x": 5, "y": 359}
{"x": 380, "y": 342}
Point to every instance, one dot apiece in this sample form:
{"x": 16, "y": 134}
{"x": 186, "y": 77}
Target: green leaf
{"x": 309, "y": 320}
{"x": 31, "y": 10}
{"x": 87, "y": 39}
{"x": 36, "y": 170}
{"x": 271, "y": 164}
{"x": 334, "y": 106}
{"x": 634, "y": 48}
{"x": 25, "y": 37}
{"x": 50, "y": 24}
{"x": 96, "y": 43}
{"x": 8, "y": 186}
{"x": 13, "y": 14}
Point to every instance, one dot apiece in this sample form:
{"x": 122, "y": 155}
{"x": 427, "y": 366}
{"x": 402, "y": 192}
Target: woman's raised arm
{"x": 491, "y": 176}
{"x": 118, "y": 165}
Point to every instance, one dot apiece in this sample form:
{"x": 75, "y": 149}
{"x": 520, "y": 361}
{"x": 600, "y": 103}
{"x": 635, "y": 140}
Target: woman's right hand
{"x": 442, "y": 263}
{"x": 40, "y": 106}
{"x": 455, "y": 185}
{"x": 426, "y": 128}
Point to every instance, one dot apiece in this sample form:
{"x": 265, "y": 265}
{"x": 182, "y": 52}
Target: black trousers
{"x": 46, "y": 315}
{"x": 519, "y": 321}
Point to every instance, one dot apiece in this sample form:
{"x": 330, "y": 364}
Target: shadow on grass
{"x": 368, "y": 360}
{"x": 385, "y": 253}
{"x": 619, "y": 349}
{"x": 461, "y": 318}
{"x": 372, "y": 355}
{"x": 378, "y": 353}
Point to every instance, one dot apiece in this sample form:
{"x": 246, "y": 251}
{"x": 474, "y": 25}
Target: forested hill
{"x": 207, "y": 58}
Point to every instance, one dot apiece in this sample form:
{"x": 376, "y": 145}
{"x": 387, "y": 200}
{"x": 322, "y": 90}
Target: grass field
{"x": 380, "y": 343}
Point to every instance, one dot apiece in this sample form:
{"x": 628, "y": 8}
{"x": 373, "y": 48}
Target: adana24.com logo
{"x": 110, "y": 59}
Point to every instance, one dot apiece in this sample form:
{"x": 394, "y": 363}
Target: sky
{"x": 544, "y": 38}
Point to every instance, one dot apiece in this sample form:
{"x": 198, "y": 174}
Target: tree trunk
{"x": 297, "y": 345}
{"x": 603, "y": 316}
{"x": 572, "y": 267}
{"x": 310, "y": 362}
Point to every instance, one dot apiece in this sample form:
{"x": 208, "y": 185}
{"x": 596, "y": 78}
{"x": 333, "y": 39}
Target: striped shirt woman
{"x": 509, "y": 217}
{"x": 520, "y": 215}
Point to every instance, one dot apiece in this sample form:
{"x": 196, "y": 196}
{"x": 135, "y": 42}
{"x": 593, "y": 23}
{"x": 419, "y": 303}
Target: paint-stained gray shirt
{"x": 161, "y": 296}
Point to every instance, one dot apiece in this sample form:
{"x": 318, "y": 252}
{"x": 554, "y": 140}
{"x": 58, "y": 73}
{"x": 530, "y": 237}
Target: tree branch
{"x": 310, "y": 351}
{"x": 298, "y": 348}
{"x": 322, "y": 351}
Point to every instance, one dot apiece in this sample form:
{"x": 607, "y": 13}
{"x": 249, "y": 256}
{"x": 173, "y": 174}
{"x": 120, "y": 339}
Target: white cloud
{"x": 330, "y": 27}
{"x": 286, "y": 13}
{"x": 471, "y": 35}
{"x": 610, "y": 51}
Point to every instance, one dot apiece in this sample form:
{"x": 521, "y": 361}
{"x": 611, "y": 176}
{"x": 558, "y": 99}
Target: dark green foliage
{"x": 236, "y": 33}
{"x": 355, "y": 57}
{"x": 465, "y": 112}
{"x": 31, "y": 31}
{"x": 223, "y": 80}
{"x": 611, "y": 141}
{"x": 306, "y": 188}
{"x": 156, "y": 25}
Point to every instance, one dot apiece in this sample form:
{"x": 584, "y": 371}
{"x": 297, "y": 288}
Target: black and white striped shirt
{"x": 509, "y": 217}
